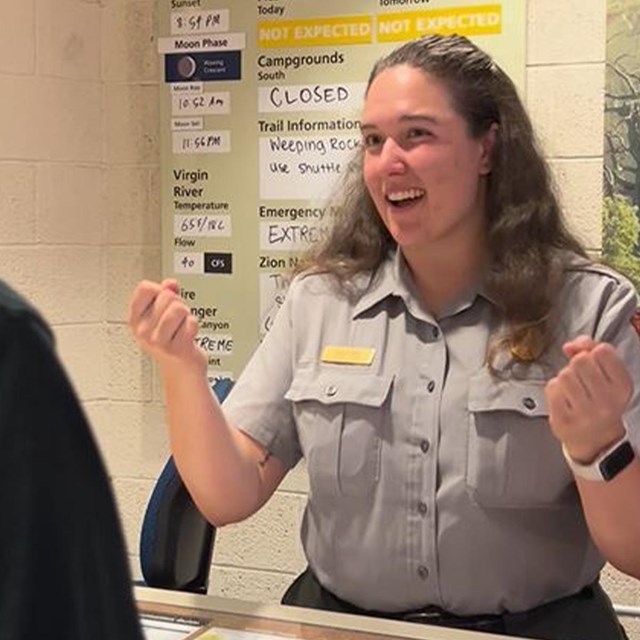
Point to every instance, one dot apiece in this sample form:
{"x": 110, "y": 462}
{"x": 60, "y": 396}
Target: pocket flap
{"x": 330, "y": 387}
{"x": 489, "y": 393}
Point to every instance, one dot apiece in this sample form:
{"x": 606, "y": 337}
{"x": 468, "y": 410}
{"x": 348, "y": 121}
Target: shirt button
{"x": 423, "y": 572}
{"x": 431, "y": 386}
{"x": 424, "y": 445}
{"x": 331, "y": 390}
{"x": 529, "y": 403}
{"x": 422, "y": 508}
{"x": 435, "y": 332}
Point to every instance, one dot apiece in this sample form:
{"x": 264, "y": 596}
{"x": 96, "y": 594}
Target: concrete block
{"x": 71, "y": 204}
{"x": 17, "y": 44}
{"x": 50, "y": 120}
{"x": 566, "y": 106}
{"x": 622, "y": 589}
{"x": 127, "y": 266}
{"x": 132, "y": 496}
{"x": 132, "y": 135}
{"x": 134, "y": 439}
{"x": 133, "y": 210}
{"x": 267, "y": 540}
{"x": 130, "y": 371}
{"x": 130, "y": 53}
{"x": 65, "y": 283}
{"x": 249, "y": 584}
{"x": 17, "y": 203}
{"x": 68, "y": 39}
{"x": 567, "y": 31}
{"x": 579, "y": 185}
{"x": 83, "y": 350}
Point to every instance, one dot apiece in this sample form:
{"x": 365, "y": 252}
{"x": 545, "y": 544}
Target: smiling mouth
{"x": 404, "y": 198}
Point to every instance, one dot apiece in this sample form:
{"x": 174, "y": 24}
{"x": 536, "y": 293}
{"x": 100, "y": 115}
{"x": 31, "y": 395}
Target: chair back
{"x": 176, "y": 540}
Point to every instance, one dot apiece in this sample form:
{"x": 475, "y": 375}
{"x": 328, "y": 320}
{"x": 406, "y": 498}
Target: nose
{"x": 392, "y": 157}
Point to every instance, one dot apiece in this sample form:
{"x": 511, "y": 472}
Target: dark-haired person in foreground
{"x": 63, "y": 568}
{"x": 455, "y": 371}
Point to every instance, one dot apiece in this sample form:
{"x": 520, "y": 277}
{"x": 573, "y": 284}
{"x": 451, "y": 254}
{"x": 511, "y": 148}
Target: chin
{"x": 406, "y": 239}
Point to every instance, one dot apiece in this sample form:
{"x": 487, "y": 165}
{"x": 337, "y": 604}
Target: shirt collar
{"x": 393, "y": 279}
{"x": 382, "y": 283}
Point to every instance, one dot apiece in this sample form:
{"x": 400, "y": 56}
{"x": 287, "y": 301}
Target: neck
{"x": 442, "y": 273}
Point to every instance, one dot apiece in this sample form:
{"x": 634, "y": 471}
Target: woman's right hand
{"x": 164, "y": 326}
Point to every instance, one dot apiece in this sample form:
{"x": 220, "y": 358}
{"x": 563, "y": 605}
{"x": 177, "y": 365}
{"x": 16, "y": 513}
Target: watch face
{"x": 616, "y": 461}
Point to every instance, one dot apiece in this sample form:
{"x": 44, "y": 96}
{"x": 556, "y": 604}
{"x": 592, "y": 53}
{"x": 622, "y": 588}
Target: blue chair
{"x": 176, "y": 541}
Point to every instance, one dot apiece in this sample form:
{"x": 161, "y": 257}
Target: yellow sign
{"x": 465, "y": 21}
{"x": 316, "y": 32}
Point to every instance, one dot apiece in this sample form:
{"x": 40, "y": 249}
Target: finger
{"x": 573, "y": 390}
{"x": 172, "y": 284}
{"x": 167, "y": 329}
{"x": 148, "y": 323}
{"x": 142, "y": 299}
{"x": 613, "y": 369}
{"x": 589, "y": 373}
{"x": 190, "y": 328}
{"x": 577, "y": 345}
{"x": 180, "y": 332}
{"x": 557, "y": 405}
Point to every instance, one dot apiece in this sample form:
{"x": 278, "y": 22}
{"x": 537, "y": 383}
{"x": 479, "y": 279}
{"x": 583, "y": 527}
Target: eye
{"x": 418, "y": 133}
{"x": 372, "y": 140}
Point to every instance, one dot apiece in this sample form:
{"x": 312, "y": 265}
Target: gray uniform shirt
{"x": 431, "y": 480}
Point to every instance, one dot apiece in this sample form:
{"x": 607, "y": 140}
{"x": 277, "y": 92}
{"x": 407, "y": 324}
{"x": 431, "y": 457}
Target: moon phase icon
{"x": 186, "y": 66}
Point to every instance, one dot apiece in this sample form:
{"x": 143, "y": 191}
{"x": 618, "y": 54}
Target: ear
{"x": 488, "y": 143}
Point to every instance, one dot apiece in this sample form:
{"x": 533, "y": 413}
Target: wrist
{"x": 587, "y": 452}
{"x": 606, "y": 465}
{"x": 182, "y": 369}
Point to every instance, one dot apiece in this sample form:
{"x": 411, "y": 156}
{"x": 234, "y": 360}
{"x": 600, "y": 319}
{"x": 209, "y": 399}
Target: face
{"x": 424, "y": 172}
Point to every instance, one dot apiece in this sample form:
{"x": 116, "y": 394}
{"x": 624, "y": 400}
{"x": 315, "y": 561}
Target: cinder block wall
{"x": 52, "y": 222}
{"x": 79, "y": 225}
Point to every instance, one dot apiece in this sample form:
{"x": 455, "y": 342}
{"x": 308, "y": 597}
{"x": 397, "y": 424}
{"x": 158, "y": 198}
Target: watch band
{"x": 607, "y": 465}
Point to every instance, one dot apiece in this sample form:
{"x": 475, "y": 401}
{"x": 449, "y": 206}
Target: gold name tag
{"x": 348, "y": 355}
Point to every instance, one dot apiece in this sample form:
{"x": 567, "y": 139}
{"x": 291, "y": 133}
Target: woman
{"x": 459, "y": 344}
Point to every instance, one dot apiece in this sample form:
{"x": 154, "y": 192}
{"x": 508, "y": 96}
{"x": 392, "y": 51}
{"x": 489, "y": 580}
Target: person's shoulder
{"x": 578, "y": 268}
{"x": 17, "y": 312}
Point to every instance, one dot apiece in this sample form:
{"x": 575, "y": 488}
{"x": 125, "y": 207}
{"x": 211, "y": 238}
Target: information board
{"x": 259, "y": 115}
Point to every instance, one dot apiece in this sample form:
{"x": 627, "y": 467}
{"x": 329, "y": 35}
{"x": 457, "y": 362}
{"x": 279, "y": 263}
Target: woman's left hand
{"x": 588, "y": 397}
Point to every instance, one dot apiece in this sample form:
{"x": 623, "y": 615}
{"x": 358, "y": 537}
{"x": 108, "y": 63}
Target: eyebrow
{"x": 407, "y": 118}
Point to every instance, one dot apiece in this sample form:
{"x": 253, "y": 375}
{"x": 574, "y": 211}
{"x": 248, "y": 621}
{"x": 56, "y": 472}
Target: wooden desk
{"x": 211, "y": 612}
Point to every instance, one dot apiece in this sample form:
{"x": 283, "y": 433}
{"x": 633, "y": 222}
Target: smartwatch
{"x": 607, "y": 465}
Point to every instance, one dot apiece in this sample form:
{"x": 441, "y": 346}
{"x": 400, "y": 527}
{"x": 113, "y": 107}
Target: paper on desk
{"x": 155, "y": 629}
{"x": 232, "y": 634}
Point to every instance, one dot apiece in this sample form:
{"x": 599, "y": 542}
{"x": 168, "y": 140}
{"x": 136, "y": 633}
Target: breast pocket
{"x": 513, "y": 459}
{"x": 340, "y": 418}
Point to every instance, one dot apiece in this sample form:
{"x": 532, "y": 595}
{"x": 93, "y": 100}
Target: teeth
{"x": 409, "y": 194}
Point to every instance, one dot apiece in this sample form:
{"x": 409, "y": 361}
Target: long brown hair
{"x": 526, "y": 234}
